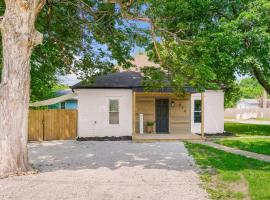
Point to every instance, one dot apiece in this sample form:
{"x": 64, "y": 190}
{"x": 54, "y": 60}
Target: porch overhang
{"x": 144, "y": 103}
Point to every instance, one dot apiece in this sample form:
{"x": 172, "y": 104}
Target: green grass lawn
{"x": 257, "y": 145}
{"x": 228, "y": 176}
{"x": 247, "y": 129}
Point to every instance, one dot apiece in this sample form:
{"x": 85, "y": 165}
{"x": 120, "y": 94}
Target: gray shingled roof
{"x": 114, "y": 80}
{"x": 121, "y": 80}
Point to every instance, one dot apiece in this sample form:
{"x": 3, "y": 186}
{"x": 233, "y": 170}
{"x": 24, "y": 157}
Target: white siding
{"x": 213, "y": 112}
{"x": 93, "y": 112}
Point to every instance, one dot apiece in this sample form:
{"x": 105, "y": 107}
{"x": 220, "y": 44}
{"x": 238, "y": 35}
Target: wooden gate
{"x": 52, "y": 125}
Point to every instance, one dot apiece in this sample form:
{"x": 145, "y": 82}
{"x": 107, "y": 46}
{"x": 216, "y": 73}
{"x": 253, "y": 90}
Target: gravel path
{"x": 106, "y": 171}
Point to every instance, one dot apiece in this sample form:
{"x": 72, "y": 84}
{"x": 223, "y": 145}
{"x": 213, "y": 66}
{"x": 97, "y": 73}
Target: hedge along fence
{"x": 47, "y": 125}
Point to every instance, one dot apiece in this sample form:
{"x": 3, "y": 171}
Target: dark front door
{"x": 162, "y": 116}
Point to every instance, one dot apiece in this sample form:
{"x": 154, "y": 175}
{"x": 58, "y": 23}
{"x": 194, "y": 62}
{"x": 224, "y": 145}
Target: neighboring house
{"x": 251, "y": 103}
{"x": 117, "y": 105}
{"x": 67, "y": 104}
{"x": 249, "y": 109}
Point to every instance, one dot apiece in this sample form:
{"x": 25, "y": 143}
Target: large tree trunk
{"x": 18, "y": 38}
{"x": 260, "y": 77}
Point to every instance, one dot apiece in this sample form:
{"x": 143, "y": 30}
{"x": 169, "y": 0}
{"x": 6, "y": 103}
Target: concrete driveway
{"x": 106, "y": 171}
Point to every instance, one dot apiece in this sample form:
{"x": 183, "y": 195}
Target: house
{"x": 246, "y": 109}
{"x": 69, "y": 104}
{"x": 251, "y": 103}
{"x": 65, "y": 99}
{"x": 117, "y": 105}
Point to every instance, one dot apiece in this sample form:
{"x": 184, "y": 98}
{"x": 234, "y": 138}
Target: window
{"x": 197, "y": 111}
{"x": 114, "y": 112}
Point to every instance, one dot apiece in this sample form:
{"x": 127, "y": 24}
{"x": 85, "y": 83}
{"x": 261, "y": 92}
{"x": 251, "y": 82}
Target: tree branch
{"x": 259, "y": 76}
{"x": 153, "y": 34}
{"x": 125, "y": 4}
{"x": 128, "y": 16}
{"x": 40, "y": 4}
{"x": 154, "y": 41}
{"x": 89, "y": 8}
{"x": 174, "y": 35}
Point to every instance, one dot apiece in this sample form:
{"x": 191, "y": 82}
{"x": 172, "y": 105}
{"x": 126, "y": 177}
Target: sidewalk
{"x": 234, "y": 151}
{"x": 251, "y": 121}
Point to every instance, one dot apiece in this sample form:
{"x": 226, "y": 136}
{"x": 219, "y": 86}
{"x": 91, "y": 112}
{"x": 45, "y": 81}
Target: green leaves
{"x": 203, "y": 44}
{"x": 250, "y": 88}
{"x": 86, "y": 38}
{"x": 226, "y": 39}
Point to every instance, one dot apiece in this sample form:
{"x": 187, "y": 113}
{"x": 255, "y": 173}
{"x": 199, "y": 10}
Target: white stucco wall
{"x": 93, "y": 112}
{"x": 213, "y": 112}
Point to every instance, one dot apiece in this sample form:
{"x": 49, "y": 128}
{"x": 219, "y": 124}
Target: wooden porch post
{"x": 202, "y": 115}
{"x": 133, "y": 112}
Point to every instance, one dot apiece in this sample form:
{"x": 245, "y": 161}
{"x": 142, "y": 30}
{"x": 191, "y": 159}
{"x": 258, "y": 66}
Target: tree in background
{"x": 250, "y": 88}
{"x": 243, "y": 40}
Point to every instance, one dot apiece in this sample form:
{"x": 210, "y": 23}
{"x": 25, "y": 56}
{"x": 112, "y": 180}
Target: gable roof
{"x": 114, "y": 80}
{"x": 122, "y": 80}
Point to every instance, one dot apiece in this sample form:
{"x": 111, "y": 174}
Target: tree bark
{"x": 259, "y": 76}
{"x": 18, "y": 38}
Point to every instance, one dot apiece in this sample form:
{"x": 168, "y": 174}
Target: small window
{"x": 114, "y": 112}
{"x": 197, "y": 111}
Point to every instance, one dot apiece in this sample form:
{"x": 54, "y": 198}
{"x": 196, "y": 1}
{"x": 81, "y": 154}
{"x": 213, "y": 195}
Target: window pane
{"x": 114, "y": 117}
{"x": 197, "y": 105}
{"x": 197, "y": 117}
{"x": 114, "y": 106}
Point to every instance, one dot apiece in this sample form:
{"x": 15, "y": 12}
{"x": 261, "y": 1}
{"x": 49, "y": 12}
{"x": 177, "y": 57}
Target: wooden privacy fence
{"x": 52, "y": 125}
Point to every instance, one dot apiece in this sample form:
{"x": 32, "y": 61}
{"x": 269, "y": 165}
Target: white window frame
{"x": 118, "y": 102}
{"x": 197, "y": 111}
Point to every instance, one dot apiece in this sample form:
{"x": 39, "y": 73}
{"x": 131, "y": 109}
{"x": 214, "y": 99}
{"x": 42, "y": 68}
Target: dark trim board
{"x": 106, "y": 138}
{"x": 107, "y": 87}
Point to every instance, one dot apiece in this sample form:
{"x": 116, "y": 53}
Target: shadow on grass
{"x": 255, "y": 172}
{"x": 248, "y": 129}
{"x": 261, "y": 146}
